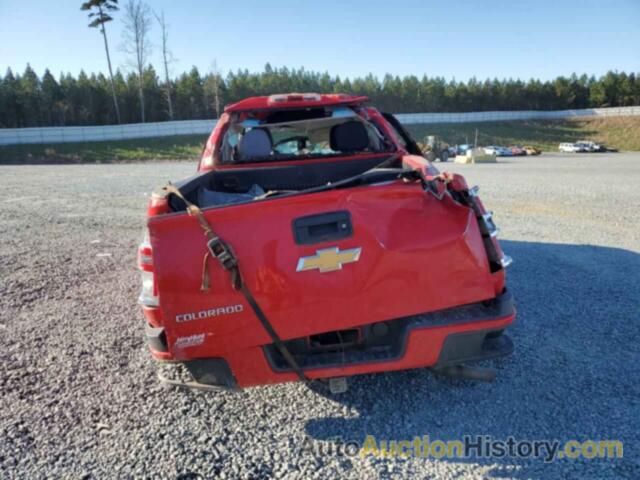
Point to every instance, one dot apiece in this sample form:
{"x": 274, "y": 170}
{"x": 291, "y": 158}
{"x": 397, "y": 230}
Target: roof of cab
{"x": 295, "y": 100}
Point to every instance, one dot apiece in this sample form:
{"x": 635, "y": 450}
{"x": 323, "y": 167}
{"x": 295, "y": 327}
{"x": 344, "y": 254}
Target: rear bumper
{"x": 437, "y": 339}
{"x": 474, "y": 346}
{"x": 466, "y": 338}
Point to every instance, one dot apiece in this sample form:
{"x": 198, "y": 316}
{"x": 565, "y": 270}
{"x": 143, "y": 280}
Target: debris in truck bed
{"x": 210, "y": 198}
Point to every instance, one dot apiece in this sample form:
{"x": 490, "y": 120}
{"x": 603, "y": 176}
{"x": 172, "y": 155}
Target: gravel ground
{"x": 80, "y": 398}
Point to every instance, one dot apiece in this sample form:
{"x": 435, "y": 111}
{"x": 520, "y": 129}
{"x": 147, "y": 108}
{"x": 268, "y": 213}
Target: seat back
{"x": 255, "y": 143}
{"x": 349, "y": 136}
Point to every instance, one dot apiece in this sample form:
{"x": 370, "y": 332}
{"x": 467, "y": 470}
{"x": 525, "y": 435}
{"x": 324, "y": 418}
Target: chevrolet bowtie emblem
{"x": 328, "y": 259}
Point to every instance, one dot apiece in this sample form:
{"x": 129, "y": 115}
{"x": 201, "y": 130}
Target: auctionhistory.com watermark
{"x": 468, "y": 446}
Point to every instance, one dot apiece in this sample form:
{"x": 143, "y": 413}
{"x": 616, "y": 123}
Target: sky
{"x": 452, "y": 39}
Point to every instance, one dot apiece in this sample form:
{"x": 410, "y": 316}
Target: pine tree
{"x": 29, "y": 98}
{"x": 51, "y": 96}
{"x": 9, "y": 107}
{"x": 100, "y": 13}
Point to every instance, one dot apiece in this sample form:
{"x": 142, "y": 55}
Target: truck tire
{"x": 431, "y": 156}
{"x": 444, "y": 156}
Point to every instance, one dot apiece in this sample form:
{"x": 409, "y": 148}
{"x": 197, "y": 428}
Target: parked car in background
{"x": 567, "y": 148}
{"x": 498, "y": 151}
{"x": 491, "y": 150}
{"x": 462, "y": 149}
{"x": 593, "y": 146}
{"x": 572, "y": 148}
{"x": 517, "y": 151}
{"x": 504, "y": 152}
{"x": 587, "y": 146}
{"x": 532, "y": 150}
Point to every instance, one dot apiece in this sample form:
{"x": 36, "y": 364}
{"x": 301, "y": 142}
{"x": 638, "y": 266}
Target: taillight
{"x": 145, "y": 258}
{"x": 147, "y": 297}
{"x": 149, "y": 294}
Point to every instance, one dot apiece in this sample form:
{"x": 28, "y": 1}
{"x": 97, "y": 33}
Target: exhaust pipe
{"x": 467, "y": 373}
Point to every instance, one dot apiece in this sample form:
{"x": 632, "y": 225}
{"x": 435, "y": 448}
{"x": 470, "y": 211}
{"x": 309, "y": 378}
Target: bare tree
{"x": 99, "y": 12}
{"x": 137, "y": 24}
{"x": 166, "y": 59}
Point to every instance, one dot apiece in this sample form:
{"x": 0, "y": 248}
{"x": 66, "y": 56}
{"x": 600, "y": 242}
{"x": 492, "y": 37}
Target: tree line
{"x": 141, "y": 94}
{"x": 27, "y": 100}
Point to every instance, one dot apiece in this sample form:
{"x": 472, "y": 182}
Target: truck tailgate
{"x": 418, "y": 254}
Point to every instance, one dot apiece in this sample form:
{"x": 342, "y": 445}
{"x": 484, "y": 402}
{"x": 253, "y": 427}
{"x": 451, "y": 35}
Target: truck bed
{"x": 238, "y": 180}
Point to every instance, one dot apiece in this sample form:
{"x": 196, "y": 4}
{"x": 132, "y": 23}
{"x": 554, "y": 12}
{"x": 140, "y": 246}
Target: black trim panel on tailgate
{"x": 322, "y": 227}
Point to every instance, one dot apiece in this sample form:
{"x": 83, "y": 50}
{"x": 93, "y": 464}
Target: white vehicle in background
{"x": 572, "y": 148}
{"x": 491, "y": 150}
{"x": 567, "y": 147}
{"x": 498, "y": 151}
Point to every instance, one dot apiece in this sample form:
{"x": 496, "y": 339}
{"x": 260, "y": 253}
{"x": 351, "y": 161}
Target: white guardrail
{"x": 46, "y": 135}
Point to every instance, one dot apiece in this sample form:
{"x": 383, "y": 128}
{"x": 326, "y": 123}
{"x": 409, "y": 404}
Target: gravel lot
{"x": 80, "y": 399}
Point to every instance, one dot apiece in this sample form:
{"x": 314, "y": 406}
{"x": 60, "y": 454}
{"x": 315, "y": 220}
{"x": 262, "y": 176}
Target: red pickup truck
{"x": 316, "y": 242}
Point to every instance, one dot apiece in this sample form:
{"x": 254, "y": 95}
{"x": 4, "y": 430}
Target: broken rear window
{"x": 299, "y": 134}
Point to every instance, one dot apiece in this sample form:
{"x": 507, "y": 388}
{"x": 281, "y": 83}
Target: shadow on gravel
{"x": 574, "y": 375}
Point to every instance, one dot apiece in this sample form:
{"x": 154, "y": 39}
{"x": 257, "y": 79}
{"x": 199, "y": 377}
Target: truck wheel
{"x": 431, "y": 156}
{"x": 444, "y": 156}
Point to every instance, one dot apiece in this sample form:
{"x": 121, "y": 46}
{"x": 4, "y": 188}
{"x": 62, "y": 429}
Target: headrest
{"x": 349, "y": 137}
{"x": 255, "y": 143}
